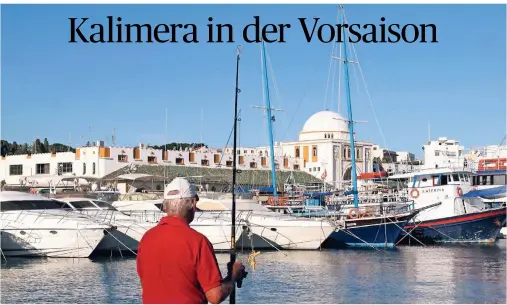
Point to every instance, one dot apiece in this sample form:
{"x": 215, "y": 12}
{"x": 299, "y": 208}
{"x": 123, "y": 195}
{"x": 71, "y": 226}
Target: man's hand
{"x": 238, "y": 271}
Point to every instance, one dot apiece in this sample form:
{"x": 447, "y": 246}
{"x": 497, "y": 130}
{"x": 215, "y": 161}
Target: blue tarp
{"x": 317, "y": 194}
{"x": 346, "y": 193}
{"x": 494, "y": 192}
{"x": 264, "y": 189}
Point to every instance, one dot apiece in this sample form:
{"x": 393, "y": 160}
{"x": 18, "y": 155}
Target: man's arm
{"x": 209, "y": 276}
{"x": 218, "y": 294}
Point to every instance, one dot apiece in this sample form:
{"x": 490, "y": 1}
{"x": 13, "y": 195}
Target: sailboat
{"x": 374, "y": 224}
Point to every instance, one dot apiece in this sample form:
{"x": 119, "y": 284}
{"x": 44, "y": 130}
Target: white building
{"x": 322, "y": 150}
{"x": 405, "y": 157}
{"x": 443, "y": 153}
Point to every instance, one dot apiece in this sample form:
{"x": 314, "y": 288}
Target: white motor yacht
{"x": 33, "y": 225}
{"x": 128, "y": 231}
{"x": 263, "y": 228}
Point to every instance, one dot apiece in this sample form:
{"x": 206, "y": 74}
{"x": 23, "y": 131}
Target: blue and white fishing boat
{"x": 460, "y": 218}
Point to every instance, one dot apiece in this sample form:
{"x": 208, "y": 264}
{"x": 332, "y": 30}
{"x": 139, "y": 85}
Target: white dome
{"x": 323, "y": 125}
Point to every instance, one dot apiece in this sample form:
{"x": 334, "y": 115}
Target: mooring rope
{"x": 111, "y": 234}
{"x": 2, "y": 252}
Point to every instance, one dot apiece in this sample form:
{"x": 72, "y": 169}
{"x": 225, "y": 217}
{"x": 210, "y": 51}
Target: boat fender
{"x": 459, "y": 191}
{"x": 414, "y": 193}
{"x": 357, "y": 214}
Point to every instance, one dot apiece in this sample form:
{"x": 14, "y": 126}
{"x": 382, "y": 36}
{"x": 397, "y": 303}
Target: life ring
{"x": 414, "y": 193}
{"x": 357, "y": 215}
{"x": 459, "y": 191}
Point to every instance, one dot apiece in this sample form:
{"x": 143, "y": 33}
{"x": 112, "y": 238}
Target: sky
{"x": 58, "y": 90}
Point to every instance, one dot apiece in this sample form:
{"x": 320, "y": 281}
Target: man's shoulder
{"x": 189, "y": 233}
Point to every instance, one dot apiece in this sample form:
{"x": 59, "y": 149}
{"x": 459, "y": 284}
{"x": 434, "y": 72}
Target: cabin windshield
{"x": 18, "y": 205}
{"x": 84, "y": 204}
{"x": 104, "y": 205}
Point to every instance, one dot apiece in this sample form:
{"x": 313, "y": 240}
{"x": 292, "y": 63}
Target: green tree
{"x": 46, "y": 145}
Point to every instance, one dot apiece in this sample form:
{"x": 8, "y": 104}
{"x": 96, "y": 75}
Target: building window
{"x": 348, "y": 153}
{"x": 122, "y": 158}
{"x": 65, "y": 167}
{"x": 314, "y": 151}
{"x": 93, "y": 168}
{"x": 42, "y": 169}
{"x": 297, "y": 152}
{"x": 16, "y": 170}
{"x": 152, "y": 159}
{"x": 84, "y": 168}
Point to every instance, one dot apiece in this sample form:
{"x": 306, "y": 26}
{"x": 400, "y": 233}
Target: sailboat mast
{"x": 232, "y": 297}
{"x": 349, "y": 110}
{"x": 269, "y": 118}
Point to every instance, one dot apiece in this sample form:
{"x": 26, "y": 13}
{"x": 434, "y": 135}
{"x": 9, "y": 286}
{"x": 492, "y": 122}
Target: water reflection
{"x": 454, "y": 274}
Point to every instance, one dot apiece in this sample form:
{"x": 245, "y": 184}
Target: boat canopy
{"x": 494, "y": 192}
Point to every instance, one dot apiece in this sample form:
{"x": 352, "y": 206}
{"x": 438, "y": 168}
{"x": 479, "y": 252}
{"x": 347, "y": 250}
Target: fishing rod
{"x": 232, "y": 297}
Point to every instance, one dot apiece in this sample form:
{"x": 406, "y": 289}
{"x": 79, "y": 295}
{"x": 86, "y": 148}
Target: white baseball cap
{"x": 179, "y": 188}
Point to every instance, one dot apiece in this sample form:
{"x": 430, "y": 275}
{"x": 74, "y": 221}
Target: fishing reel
{"x": 239, "y": 282}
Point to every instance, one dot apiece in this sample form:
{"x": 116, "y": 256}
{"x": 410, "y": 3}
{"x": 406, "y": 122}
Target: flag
{"x": 324, "y": 175}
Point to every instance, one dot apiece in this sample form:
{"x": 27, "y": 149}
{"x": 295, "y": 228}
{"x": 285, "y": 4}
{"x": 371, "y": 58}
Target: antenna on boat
{"x": 201, "y": 126}
{"x": 429, "y": 134}
{"x": 232, "y": 297}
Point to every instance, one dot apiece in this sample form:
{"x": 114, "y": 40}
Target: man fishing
{"x": 175, "y": 263}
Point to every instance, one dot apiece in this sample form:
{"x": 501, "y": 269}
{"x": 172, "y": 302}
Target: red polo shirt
{"x": 176, "y": 264}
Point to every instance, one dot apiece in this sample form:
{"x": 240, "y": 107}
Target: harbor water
{"x": 443, "y": 274}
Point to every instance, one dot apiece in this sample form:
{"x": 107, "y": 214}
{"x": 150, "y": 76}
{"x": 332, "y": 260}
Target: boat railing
{"x": 347, "y": 210}
{"x": 140, "y": 196}
{"x": 471, "y": 166}
{"x": 69, "y": 215}
{"x": 215, "y": 215}
{"x": 370, "y": 198}
{"x": 144, "y": 215}
{"x": 106, "y": 216}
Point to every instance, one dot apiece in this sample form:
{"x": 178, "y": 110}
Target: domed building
{"x": 323, "y": 149}
{"x": 325, "y": 125}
